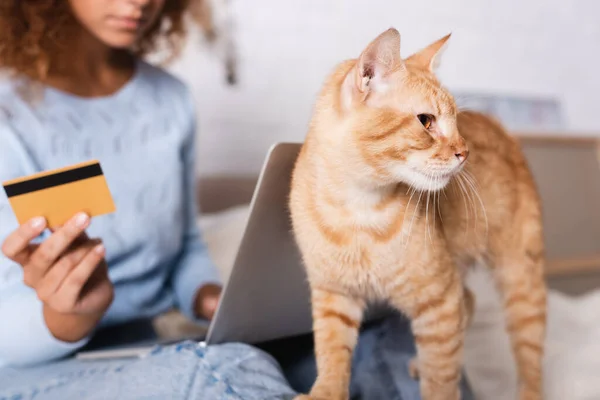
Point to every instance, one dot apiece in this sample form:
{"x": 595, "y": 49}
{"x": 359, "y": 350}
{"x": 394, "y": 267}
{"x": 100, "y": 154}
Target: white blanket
{"x": 572, "y": 357}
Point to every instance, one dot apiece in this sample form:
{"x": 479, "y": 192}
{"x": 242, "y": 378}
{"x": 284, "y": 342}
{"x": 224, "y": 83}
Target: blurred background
{"x": 532, "y": 63}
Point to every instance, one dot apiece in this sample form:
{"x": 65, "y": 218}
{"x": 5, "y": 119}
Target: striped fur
{"x": 384, "y": 209}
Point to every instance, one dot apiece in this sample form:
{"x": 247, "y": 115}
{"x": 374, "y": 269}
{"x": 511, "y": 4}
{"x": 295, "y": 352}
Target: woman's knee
{"x": 248, "y": 371}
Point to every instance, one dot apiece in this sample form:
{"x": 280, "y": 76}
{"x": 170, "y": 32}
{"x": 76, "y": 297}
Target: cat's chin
{"x": 422, "y": 182}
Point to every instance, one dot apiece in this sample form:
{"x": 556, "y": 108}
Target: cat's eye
{"x": 426, "y": 120}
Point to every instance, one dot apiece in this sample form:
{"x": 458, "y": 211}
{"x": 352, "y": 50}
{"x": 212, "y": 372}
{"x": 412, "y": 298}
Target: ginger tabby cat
{"x": 395, "y": 192}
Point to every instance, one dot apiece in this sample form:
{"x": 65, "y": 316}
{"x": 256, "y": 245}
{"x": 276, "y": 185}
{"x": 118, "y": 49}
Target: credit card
{"x": 59, "y": 194}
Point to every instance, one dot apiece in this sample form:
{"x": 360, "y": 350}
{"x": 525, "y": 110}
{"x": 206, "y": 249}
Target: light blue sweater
{"x": 144, "y": 137}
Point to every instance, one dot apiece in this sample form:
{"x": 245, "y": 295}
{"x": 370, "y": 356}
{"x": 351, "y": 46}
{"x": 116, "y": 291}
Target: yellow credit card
{"x": 59, "y": 194}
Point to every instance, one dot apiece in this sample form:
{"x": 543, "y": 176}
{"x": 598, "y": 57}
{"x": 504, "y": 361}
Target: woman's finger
{"x": 75, "y": 281}
{"x": 53, "y": 247}
{"x": 61, "y": 269}
{"x": 16, "y": 246}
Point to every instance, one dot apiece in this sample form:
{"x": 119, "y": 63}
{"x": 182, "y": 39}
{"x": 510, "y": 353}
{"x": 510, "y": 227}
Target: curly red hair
{"x": 32, "y": 31}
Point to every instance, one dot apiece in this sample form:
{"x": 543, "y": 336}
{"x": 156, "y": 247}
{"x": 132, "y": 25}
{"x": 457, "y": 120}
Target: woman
{"x": 77, "y": 89}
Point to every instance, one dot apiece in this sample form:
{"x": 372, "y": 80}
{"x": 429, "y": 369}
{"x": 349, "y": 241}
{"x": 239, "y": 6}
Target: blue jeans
{"x": 231, "y": 371}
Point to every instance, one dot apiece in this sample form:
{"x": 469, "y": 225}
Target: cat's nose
{"x": 462, "y": 156}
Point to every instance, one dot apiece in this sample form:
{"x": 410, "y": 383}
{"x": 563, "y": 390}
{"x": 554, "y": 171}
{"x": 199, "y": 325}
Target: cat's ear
{"x": 429, "y": 57}
{"x": 381, "y": 57}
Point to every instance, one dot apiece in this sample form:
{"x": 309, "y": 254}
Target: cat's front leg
{"x": 336, "y": 320}
{"x": 438, "y": 317}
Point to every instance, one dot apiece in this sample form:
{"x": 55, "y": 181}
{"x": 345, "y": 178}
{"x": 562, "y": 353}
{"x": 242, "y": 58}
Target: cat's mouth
{"x": 436, "y": 175}
{"x": 446, "y": 175}
{"x": 430, "y": 180}
{"x": 427, "y": 178}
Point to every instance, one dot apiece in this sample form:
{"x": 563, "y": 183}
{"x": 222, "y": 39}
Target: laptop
{"x": 267, "y": 295}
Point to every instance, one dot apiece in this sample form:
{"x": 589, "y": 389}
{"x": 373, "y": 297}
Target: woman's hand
{"x": 68, "y": 273}
{"x": 207, "y": 300}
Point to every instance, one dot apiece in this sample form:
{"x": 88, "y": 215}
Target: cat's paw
{"x": 413, "y": 368}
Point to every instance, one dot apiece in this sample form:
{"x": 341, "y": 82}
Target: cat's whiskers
{"x": 413, "y": 218}
{"x": 461, "y": 107}
{"x": 470, "y": 199}
{"x": 473, "y": 185}
{"x": 429, "y": 175}
{"x": 412, "y": 191}
{"x": 427, "y": 233}
{"x": 438, "y": 206}
{"x": 434, "y": 200}
{"x": 462, "y": 193}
